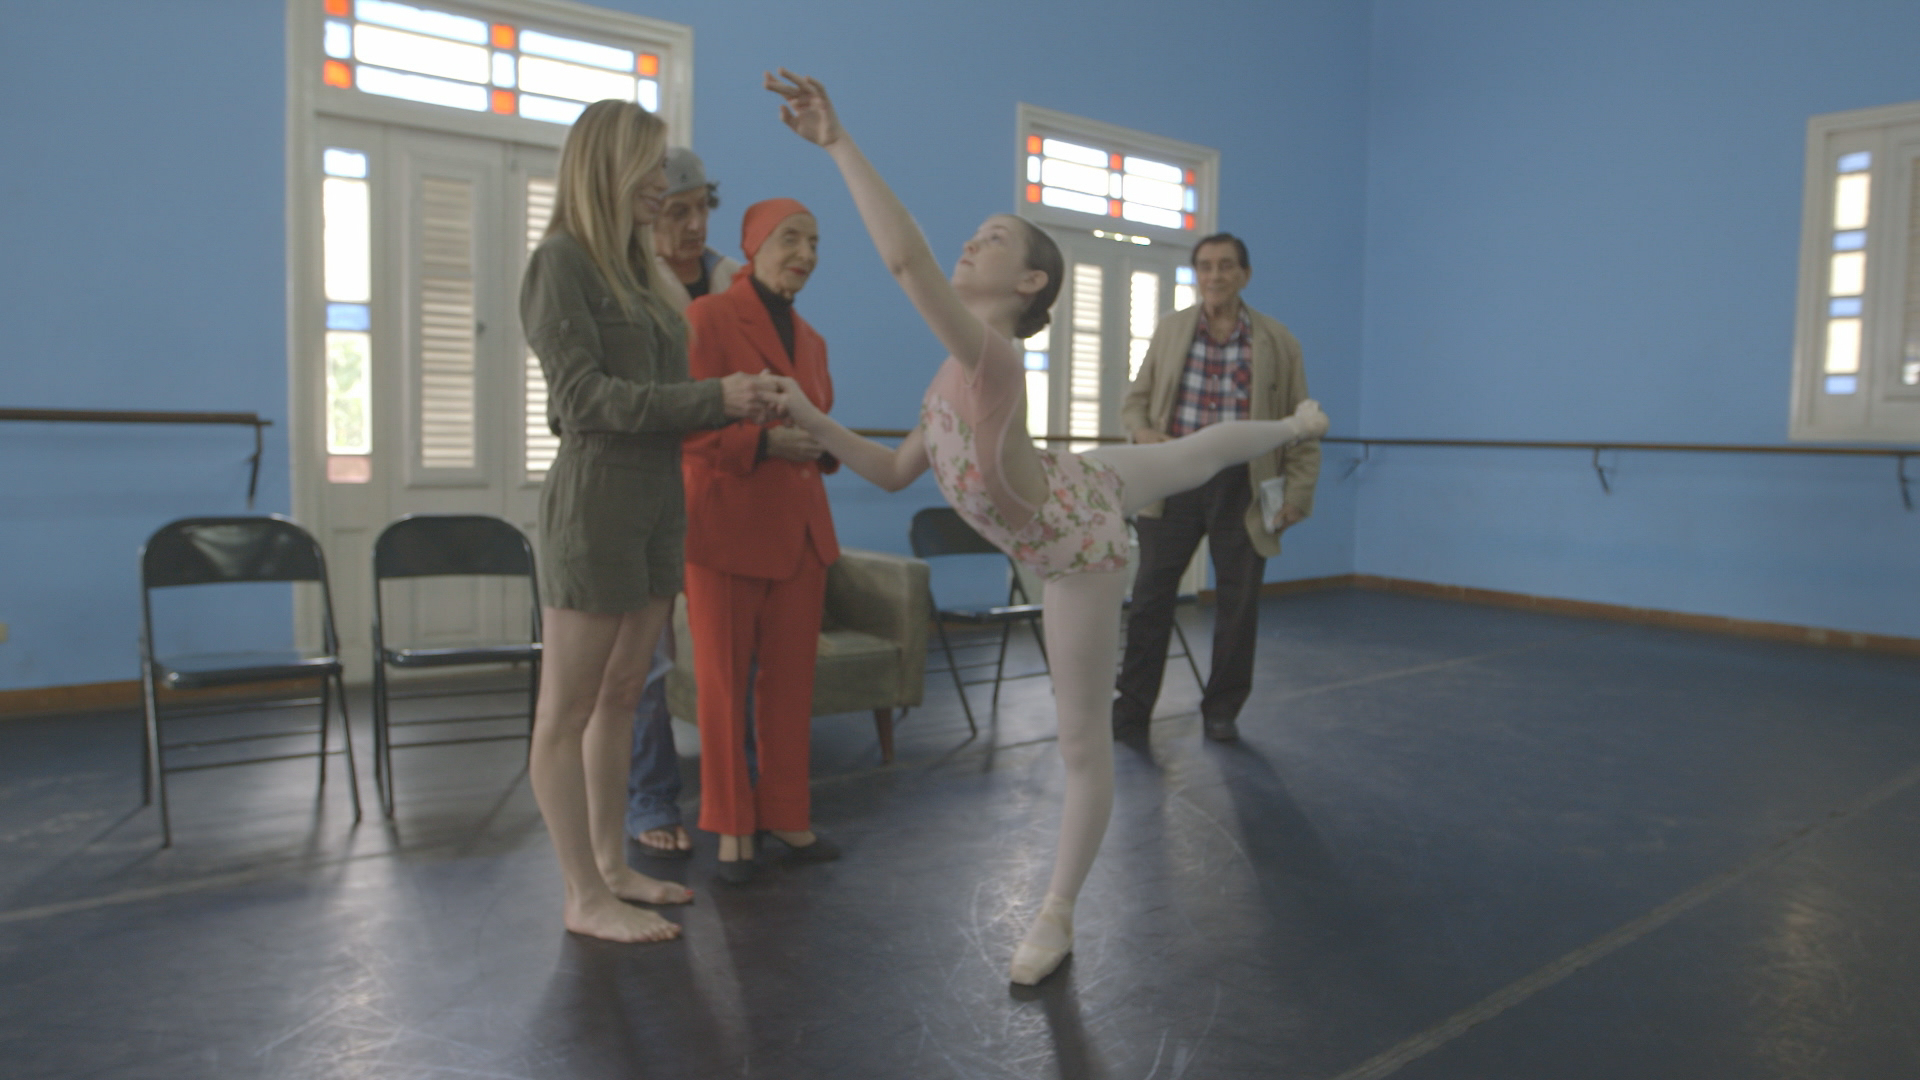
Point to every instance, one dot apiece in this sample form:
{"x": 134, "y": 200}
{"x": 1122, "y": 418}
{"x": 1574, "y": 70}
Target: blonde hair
{"x": 609, "y": 150}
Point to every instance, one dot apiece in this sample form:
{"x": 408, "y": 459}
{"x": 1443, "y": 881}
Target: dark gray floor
{"x": 1455, "y": 842}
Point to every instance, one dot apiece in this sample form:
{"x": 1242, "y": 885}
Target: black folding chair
{"x": 446, "y": 545}
{"x": 940, "y": 531}
{"x": 228, "y": 551}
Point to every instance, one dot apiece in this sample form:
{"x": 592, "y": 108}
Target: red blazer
{"x": 747, "y": 518}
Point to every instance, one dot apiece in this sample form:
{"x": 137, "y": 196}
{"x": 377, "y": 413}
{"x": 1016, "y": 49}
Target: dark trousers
{"x": 1216, "y": 510}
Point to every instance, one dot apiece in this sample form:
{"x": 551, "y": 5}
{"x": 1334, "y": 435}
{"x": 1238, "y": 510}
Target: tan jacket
{"x": 1279, "y": 385}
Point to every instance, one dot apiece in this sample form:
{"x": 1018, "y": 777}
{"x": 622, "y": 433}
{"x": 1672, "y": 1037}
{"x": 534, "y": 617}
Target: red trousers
{"x": 733, "y": 619}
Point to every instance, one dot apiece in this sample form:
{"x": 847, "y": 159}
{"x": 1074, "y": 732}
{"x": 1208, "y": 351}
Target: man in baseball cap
{"x": 680, "y": 232}
{"x": 681, "y": 253}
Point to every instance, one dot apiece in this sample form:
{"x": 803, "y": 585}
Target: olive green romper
{"x": 613, "y": 516}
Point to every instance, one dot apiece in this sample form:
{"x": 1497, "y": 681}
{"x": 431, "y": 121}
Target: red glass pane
{"x": 1189, "y": 177}
{"x": 1033, "y": 192}
{"x": 1113, "y": 207}
{"x": 504, "y": 103}
{"x": 503, "y": 36}
{"x": 1117, "y": 162}
{"x": 1189, "y": 223}
{"x": 648, "y": 64}
{"x": 1033, "y": 144}
{"x": 337, "y": 74}
{"x": 342, "y": 8}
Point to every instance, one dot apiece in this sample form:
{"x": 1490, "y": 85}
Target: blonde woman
{"x": 612, "y": 513}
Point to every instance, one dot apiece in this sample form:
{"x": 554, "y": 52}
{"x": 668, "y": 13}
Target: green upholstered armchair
{"x": 873, "y": 642}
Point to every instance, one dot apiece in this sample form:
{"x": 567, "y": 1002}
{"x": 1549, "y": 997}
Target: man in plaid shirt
{"x": 1218, "y": 360}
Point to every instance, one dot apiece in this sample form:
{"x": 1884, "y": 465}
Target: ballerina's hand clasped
{"x": 1062, "y": 515}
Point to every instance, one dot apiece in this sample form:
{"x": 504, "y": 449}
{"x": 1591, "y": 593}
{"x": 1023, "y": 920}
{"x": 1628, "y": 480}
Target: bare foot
{"x": 637, "y": 888}
{"x": 735, "y": 848}
{"x": 614, "y": 921}
{"x": 668, "y": 839}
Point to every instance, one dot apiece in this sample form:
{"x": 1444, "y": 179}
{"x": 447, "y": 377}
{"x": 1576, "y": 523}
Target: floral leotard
{"x": 969, "y": 423}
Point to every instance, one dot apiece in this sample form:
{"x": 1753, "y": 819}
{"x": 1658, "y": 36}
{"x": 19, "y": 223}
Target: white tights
{"x": 1083, "y": 636}
{"x": 1150, "y": 472}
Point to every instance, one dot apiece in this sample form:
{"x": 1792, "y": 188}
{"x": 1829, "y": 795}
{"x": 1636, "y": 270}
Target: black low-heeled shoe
{"x": 821, "y": 850}
{"x": 736, "y": 872}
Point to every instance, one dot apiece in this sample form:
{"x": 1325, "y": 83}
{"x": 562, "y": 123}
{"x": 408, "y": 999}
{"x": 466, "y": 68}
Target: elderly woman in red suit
{"x": 759, "y": 541}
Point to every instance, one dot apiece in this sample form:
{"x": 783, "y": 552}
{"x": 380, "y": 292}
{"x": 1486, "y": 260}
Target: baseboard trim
{"x": 125, "y": 694}
{"x": 1679, "y": 620}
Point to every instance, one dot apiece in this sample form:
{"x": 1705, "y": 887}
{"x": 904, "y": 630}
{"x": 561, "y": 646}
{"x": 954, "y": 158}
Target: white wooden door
{"x": 446, "y": 384}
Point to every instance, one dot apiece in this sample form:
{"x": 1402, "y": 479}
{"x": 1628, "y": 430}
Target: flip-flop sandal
{"x": 662, "y": 852}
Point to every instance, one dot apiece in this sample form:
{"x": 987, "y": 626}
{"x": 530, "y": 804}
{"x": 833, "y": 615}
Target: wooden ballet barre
{"x": 1899, "y": 454}
{"x": 127, "y": 416}
{"x": 1600, "y": 469}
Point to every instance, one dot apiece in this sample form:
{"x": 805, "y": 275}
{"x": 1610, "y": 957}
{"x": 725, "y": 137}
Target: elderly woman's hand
{"x": 793, "y": 444}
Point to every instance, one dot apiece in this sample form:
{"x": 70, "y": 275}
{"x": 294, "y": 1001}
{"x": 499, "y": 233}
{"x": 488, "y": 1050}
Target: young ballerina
{"x": 1062, "y": 515}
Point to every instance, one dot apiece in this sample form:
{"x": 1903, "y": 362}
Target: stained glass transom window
{"x": 478, "y": 65}
{"x": 1105, "y": 182}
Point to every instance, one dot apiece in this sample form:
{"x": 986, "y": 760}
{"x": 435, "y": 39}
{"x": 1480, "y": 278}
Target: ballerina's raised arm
{"x": 902, "y": 246}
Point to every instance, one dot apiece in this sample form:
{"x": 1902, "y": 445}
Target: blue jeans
{"x": 653, "y": 777}
{"x": 653, "y": 780}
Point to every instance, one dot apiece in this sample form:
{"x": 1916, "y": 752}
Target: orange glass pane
{"x": 1033, "y": 144}
{"x": 648, "y": 64}
{"x": 341, "y": 8}
{"x": 1117, "y": 162}
{"x": 1189, "y": 177}
{"x": 1189, "y": 223}
{"x": 337, "y": 74}
{"x": 504, "y": 102}
{"x": 1033, "y": 192}
{"x": 503, "y": 36}
{"x": 1113, "y": 207}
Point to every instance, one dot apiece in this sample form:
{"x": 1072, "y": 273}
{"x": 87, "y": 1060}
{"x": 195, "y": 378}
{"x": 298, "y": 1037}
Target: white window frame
{"x": 308, "y": 101}
{"x": 1035, "y": 120}
{"x": 1882, "y": 409}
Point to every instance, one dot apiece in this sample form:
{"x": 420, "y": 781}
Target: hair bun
{"x": 1032, "y": 323}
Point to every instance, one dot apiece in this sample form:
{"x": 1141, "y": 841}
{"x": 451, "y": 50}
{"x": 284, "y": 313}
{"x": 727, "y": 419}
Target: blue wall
{"x": 144, "y": 229}
{"x": 1518, "y": 219}
{"x": 1583, "y": 222}
{"x": 143, "y": 268}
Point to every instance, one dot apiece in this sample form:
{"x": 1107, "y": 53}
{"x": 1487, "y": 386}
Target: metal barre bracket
{"x": 123, "y": 416}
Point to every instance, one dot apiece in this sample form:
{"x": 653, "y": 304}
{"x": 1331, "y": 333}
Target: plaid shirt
{"x": 1218, "y": 379}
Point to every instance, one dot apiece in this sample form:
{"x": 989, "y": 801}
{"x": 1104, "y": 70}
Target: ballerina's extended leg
{"x": 1152, "y": 471}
